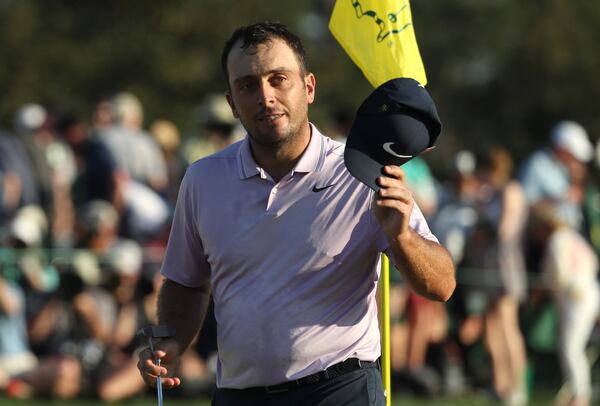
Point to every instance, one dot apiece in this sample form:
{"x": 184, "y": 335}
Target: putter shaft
{"x": 159, "y": 392}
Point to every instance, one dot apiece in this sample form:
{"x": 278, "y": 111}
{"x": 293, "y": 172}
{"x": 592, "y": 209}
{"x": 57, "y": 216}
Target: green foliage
{"x": 505, "y": 71}
{"x": 500, "y": 70}
{"x": 71, "y": 53}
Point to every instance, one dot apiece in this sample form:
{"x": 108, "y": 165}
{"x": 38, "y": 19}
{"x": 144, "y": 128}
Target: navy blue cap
{"x": 395, "y": 123}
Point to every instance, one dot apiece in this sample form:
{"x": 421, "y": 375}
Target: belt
{"x": 344, "y": 367}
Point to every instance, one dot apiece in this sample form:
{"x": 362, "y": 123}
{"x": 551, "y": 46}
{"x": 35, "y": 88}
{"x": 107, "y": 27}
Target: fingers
{"x": 150, "y": 370}
{"x": 147, "y": 364}
{"x": 169, "y": 382}
{"x": 394, "y": 192}
{"x": 392, "y": 186}
{"x": 393, "y": 171}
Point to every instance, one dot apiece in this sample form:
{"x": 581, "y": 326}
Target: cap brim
{"x": 363, "y": 167}
{"x": 365, "y": 153}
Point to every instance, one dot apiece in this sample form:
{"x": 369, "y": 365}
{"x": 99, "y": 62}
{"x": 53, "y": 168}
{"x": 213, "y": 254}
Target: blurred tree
{"x": 70, "y": 53}
{"x": 499, "y": 70}
{"x": 505, "y": 71}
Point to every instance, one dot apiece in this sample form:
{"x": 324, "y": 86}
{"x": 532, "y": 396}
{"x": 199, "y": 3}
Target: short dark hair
{"x": 260, "y": 33}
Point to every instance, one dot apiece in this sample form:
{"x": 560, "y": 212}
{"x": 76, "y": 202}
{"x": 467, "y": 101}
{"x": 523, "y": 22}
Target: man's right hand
{"x": 168, "y": 353}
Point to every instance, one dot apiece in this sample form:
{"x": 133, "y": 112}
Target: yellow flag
{"x": 379, "y": 37}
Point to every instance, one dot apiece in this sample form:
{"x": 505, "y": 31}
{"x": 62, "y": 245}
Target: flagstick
{"x": 385, "y": 328}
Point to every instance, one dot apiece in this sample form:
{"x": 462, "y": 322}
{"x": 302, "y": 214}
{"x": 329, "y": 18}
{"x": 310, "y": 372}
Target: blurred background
{"x": 498, "y": 69}
{"x": 105, "y": 103}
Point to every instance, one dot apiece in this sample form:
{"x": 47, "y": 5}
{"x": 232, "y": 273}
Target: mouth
{"x": 270, "y": 117}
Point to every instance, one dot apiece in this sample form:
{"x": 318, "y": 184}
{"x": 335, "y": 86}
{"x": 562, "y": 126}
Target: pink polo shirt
{"x": 293, "y": 265}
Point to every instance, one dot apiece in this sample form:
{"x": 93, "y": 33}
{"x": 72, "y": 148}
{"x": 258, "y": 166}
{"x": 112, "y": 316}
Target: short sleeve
{"x": 185, "y": 261}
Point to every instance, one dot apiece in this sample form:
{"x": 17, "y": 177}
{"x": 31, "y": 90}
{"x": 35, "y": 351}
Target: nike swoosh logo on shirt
{"x": 318, "y": 189}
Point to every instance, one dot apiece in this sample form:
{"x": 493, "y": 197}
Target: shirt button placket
{"x": 272, "y": 197}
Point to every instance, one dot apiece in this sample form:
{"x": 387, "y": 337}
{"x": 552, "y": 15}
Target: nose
{"x": 266, "y": 94}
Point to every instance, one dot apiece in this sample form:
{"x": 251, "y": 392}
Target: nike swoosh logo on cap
{"x": 387, "y": 147}
{"x": 318, "y": 189}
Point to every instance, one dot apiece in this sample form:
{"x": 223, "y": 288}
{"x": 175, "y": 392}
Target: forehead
{"x": 260, "y": 59}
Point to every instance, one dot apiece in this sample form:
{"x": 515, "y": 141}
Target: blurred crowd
{"x": 85, "y": 210}
{"x": 524, "y": 238}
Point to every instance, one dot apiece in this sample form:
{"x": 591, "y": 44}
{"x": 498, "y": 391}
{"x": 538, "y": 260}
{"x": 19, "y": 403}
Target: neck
{"x": 280, "y": 160}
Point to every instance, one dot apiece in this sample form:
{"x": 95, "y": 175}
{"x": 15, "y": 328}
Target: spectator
{"x": 591, "y": 206}
{"x": 456, "y": 214}
{"x": 168, "y": 139}
{"x": 22, "y": 373}
{"x": 556, "y": 173}
{"x": 570, "y": 266}
{"x": 17, "y": 182}
{"x": 10, "y": 192}
{"x": 123, "y": 261}
{"x": 102, "y": 116}
{"x": 54, "y": 168}
{"x": 98, "y": 176}
{"x": 454, "y": 223}
{"x": 216, "y": 128}
{"x": 134, "y": 150}
{"x": 15, "y": 354}
{"x": 495, "y": 252}
{"x": 426, "y": 321}
{"x": 142, "y": 169}
{"x": 422, "y": 185}
{"x": 89, "y": 296}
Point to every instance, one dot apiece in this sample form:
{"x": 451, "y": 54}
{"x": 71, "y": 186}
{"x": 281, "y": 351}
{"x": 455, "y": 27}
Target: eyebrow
{"x": 269, "y": 72}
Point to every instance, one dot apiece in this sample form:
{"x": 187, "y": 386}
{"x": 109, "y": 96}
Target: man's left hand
{"x": 393, "y": 203}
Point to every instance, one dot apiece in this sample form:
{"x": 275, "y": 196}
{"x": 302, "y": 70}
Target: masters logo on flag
{"x": 379, "y": 37}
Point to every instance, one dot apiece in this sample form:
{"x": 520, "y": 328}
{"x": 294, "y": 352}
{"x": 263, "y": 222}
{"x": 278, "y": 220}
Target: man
{"x": 556, "y": 174}
{"x": 134, "y": 150}
{"x": 142, "y": 172}
{"x": 17, "y": 180}
{"x": 289, "y": 243}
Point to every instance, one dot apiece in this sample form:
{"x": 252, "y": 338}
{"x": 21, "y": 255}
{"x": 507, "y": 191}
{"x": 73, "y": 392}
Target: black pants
{"x": 362, "y": 387}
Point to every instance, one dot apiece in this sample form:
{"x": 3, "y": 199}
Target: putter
{"x": 157, "y": 333}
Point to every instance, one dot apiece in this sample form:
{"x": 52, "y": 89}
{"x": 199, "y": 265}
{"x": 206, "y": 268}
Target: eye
{"x": 277, "y": 79}
{"x": 246, "y": 85}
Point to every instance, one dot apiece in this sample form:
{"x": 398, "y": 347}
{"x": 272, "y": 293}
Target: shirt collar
{"x": 311, "y": 160}
{"x": 246, "y": 164}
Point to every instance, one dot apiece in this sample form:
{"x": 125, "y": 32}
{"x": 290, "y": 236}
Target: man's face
{"x": 577, "y": 169}
{"x": 269, "y": 93}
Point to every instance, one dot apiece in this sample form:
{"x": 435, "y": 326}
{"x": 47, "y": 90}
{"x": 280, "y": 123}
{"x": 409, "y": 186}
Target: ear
{"x": 311, "y": 86}
{"x": 231, "y": 105}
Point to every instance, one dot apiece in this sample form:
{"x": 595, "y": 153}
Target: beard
{"x": 272, "y": 136}
{"x": 272, "y": 139}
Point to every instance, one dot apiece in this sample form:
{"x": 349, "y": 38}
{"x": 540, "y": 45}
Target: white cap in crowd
{"x": 30, "y": 117}
{"x": 29, "y": 225}
{"x": 126, "y": 258}
{"x": 572, "y": 137}
{"x": 464, "y": 163}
